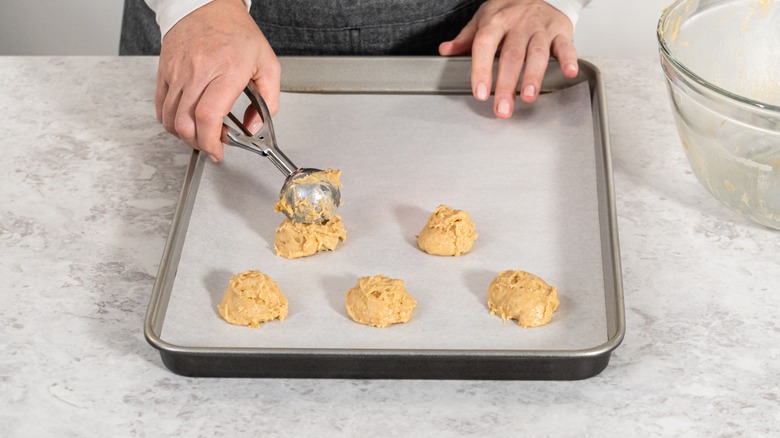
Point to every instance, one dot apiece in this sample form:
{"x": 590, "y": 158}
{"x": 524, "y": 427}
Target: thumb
{"x": 461, "y": 44}
{"x": 268, "y": 80}
{"x": 252, "y": 119}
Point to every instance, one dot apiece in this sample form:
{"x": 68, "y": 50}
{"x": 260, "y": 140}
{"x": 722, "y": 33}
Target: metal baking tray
{"x": 399, "y": 75}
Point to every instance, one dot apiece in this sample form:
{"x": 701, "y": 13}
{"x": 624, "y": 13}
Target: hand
{"x": 206, "y": 60}
{"x": 524, "y": 31}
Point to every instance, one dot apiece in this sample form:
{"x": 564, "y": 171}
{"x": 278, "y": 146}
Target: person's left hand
{"x": 524, "y": 32}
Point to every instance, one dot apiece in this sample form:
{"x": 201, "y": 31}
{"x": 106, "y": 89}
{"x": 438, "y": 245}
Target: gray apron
{"x": 328, "y": 27}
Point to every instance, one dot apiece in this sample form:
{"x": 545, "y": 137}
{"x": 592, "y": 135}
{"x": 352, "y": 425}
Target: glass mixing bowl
{"x": 722, "y": 64}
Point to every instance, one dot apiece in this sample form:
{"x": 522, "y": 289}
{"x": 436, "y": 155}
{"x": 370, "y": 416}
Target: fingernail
{"x": 213, "y": 158}
{"x": 255, "y": 127}
{"x": 482, "y": 91}
{"x": 503, "y": 107}
{"x": 529, "y": 91}
{"x": 571, "y": 68}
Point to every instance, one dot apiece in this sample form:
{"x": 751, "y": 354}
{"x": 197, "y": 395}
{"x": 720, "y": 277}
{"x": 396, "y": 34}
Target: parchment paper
{"x": 529, "y": 183}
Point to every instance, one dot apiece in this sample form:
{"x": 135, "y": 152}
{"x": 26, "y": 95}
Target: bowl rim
{"x": 667, "y": 53}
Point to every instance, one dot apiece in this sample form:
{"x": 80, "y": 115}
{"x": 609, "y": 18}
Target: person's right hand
{"x": 206, "y": 60}
{"x": 524, "y": 32}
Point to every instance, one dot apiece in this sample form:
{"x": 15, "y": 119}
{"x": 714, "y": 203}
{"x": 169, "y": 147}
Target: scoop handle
{"x": 262, "y": 142}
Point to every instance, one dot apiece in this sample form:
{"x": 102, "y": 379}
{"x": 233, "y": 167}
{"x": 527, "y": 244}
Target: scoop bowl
{"x": 309, "y": 196}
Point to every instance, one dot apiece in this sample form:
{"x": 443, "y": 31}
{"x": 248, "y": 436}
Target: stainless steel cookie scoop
{"x": 307, "y": 195}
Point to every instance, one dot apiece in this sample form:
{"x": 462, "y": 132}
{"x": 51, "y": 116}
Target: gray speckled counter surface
{"x": 89, "y": 184}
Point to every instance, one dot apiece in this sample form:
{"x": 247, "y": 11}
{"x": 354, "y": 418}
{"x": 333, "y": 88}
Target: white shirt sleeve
{"x": 169, "y": 12}
{"x": 570, "y": 8}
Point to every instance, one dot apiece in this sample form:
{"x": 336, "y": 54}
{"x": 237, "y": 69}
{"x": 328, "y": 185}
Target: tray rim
{"x": 200, "y": 361}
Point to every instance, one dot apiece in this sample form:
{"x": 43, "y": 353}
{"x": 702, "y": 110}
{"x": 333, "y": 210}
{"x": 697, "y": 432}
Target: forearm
{"x": 570, "y": 8}
{"x": 169, "y": 12}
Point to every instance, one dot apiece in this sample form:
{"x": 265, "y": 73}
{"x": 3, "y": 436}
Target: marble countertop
{"x": 89, "y": 185}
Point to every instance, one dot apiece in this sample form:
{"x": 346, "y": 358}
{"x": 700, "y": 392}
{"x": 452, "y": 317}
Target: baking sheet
{"x": 530, "y": 184}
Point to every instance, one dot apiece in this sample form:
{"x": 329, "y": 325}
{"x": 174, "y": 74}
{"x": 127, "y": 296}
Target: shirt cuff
{"x": 570, "y": 8}
{"x": 169, "y": 12}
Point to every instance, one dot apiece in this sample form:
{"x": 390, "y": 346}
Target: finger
{"x": 483, "y": 53}
{"x": 535, "y": 66}
{"x": 461, "y": 44}
{"x": 169, "y": 109}
{"x": 217, "y": 100}
{"x": 510, "y": 63}
{"x": 184, "y": 122}
{"x": 564, "y": 49}
{"x": 223, "y": 135}
{"x": 159, "y": 98}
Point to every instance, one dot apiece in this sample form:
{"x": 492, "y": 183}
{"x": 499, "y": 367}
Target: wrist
{"x": 570, "y": 8}
{"x": 171, "y": 12}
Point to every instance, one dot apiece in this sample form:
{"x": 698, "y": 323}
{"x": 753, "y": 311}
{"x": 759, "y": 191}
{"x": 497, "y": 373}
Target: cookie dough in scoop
{"x": 310, "y": 197}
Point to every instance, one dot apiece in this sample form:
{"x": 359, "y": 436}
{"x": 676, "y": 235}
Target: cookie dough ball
{"x": 379, "y": 301}
{"x": 252, "y": 298}
{"x": 449, "y": 232}
{"x": 297, "y": 239}
{"x": 522, "y": 296}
